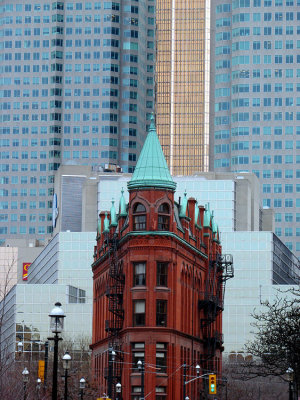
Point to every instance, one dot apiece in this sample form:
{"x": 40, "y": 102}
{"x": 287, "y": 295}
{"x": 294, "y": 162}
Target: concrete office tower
{"x": 182, "y": 83}
{"x": 76, "y": 87}
{"x": 256, "y": 121}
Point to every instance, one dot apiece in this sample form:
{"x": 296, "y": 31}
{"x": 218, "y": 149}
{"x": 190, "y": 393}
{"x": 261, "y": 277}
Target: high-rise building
{"x": 76, "y": 87}
{"x": 182, "y": 83}
{"x": 256, "y": 87}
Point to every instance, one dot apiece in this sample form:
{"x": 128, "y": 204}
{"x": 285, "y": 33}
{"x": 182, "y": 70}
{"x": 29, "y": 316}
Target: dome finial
{"x": 183, "y": 207}
{"x": 122, "y": 205}
{"x": 152, "y": 123}
{"x": 106, "y": 224}
{"x": 113, "y": 214}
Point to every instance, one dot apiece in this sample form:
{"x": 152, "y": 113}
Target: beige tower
{"x": 182, "y": 83}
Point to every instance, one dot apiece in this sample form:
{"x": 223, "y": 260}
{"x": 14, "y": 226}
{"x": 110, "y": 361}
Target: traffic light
{"x": 212, "y": 384}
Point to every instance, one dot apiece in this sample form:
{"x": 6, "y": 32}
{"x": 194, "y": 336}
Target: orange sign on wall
{"x": 41, "y": 370}
{"x": 25, "y": 271}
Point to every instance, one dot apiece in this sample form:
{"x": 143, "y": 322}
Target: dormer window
{"x": 139, "y": 217}
{"x": 164, "y": 217}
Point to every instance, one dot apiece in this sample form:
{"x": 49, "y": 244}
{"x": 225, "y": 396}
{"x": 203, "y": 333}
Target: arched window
{"x": 164, "y": 217}
{"x": 139, "y": 217}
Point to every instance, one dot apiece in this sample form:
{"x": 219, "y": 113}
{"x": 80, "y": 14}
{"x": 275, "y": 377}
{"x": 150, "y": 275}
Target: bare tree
{"x": 276, "y": 346}
{"x": 8, "y": 278}
{"x": 234, "y": 387}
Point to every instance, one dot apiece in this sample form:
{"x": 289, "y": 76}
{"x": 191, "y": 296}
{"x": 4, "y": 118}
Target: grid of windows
{"x": 75, "y": 295}
{"x": 257, "y": 95}
{"x": 61, "y": 87}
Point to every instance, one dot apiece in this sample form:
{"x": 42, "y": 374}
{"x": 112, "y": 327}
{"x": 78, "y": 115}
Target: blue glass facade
{"x": 76, "y": 86}
{"x": 256, "y": 91}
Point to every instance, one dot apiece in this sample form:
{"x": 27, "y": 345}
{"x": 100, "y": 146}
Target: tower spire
{"x": 151, "y": 169}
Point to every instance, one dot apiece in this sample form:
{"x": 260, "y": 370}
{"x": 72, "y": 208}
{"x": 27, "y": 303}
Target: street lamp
{"x": 57, "y": 316}
{"x": 225, "y": 380}
{"x": 20, "y": 347}
{"x": 66, "y": 366}
{"x": 141, "y": 367}
{"x": 184, "y": 380}
{"x": 38, "y": 387}
{"x": 81, "y": 387}
{"x": 25, "y": 374}
{"x": 290, "y": 377}
{"x": 118, "y": 390}
{"x": 111, "y": 359}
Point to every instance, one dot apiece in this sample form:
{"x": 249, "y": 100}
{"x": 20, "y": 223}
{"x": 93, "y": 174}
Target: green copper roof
{"x": 99, "y": 227}
{"x": 196, "y": 213}
{"x": 106, "y": 224}
{"x": 207, "y": 217}
{"x": 183, "y": 206}
{"x": 214, "y": 225}
{"x": 151, "y": 169}
{"x": 122, "y": 205}
{"x": 113, "y": 214}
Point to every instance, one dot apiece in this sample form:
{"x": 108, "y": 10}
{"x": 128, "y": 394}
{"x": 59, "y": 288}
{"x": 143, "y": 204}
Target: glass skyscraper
{"x": 256, "y": 92}
{"x": 77, "y": 83}
{"x": 182, "y": 83}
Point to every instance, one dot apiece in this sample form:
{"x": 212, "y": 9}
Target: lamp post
{"x": 111, "y": 359}
{"x": 290, "y": 377}
{"x": 198, "y": 374}
{"x": 66, "y": 365}
{"x": 38, "y": 387}
{"x": 20, "y": 348}
{"x": 57, "y": 316}
{"x": 81, "y": 387}
{"x": 184, "y": 380}
{"x": 118, "y": 390}
{"x": 141, "y": 367}
{"x": 25, "y": 374}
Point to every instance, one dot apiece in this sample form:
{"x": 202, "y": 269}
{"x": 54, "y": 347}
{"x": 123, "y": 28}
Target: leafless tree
{"x": 7, "y": 279}
{"x": 233, "y": 387}
{"x": 275, "y": 348}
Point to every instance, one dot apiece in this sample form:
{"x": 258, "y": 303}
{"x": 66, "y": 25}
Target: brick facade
{"x": 187, "y": 335}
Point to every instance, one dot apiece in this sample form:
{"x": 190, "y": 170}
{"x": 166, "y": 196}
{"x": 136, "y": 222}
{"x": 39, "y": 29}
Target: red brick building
{"x": 158, "y": 289}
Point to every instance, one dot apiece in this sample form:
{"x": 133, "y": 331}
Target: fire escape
{"x": 212, "y": 302}
{"x": 113, "y": 326}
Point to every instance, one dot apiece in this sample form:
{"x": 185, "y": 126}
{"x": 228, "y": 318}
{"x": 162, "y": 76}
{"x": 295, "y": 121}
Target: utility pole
{"x": 46, "y": 365}
{"x": 141, "y": 367}
{"x": 111, "y": 359}
{"x": 184, "y": 379}
{"x": 143, "y": 381}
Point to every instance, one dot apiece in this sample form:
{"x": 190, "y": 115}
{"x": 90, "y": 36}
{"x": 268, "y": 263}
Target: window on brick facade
{"x": 136, "y": 393}
{"x": 161, "y": 357}
{"x": 163, "y": 217}
{"x": 162, "y": 274}
{"x": 139, "y": 217}
{"x": 139, "y": 307}
{"x": 160, "y": 393}
{"x": 161, "y": 312}
{"x": 138, "y": 353}
{"x": 139, "y": 274}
